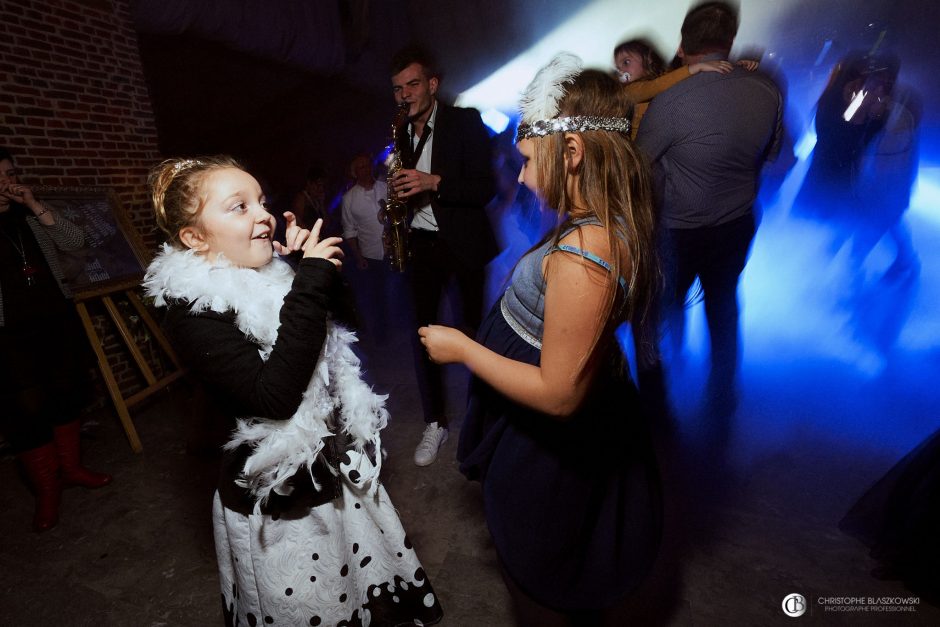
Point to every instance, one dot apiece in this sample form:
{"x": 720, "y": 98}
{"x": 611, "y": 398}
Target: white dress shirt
{"x": 360, "y": 218}
{"x": 424, "y": 216}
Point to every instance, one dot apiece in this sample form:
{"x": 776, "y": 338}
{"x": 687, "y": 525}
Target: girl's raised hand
{"x": 327, "y": 249}
{"x": 748, "y": 64}
{"x": 294, "y": 236}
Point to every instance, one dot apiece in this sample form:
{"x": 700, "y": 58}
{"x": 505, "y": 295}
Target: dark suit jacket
{"x": 462, "y": 158}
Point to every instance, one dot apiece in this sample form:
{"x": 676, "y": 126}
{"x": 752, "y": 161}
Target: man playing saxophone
{"x": 447, "y": 178}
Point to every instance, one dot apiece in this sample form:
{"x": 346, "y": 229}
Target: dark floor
{"x": 140, "y": 551}
{"x": 752, "y": 506}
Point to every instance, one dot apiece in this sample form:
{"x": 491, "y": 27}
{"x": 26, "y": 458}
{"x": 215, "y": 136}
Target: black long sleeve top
{"x": 243, "y": 384}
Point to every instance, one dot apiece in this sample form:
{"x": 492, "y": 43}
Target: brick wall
{"x": 75, "y": 111}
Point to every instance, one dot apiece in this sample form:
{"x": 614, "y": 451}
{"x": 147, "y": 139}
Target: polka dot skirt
{"x": 348, "y": 562}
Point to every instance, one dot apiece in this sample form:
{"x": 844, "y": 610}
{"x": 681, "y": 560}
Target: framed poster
{"x": 112, "y": 258}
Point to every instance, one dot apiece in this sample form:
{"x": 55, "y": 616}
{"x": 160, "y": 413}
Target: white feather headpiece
{"x": 539, "y": 103}
{"x": 540, "y": 99}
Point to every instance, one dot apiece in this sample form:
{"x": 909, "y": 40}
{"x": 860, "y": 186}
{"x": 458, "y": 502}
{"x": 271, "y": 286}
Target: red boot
{"x": 73, "y": 473}
{"x": 42, "y": 467}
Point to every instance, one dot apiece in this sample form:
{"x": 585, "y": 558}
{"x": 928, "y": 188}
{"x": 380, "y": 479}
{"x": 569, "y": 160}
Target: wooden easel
{"x": 121, "y": 404}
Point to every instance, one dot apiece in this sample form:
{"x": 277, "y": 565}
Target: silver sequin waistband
{"x": 530, "y": 339}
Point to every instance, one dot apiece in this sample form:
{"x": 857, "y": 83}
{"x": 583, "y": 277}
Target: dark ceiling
{"x": 284, "y": 87}
{"x": 284, "y": 84}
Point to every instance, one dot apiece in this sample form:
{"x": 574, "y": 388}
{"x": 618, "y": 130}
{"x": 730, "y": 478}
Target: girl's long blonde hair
{"x": 614, "y": 185}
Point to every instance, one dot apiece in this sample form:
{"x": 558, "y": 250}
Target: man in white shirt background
{"x": 362, "y": 231}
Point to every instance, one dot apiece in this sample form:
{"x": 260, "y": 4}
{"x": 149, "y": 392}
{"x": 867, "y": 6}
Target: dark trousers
{"x": 432, "y": 266}
{"x": 42, "y": 381}
{"x": 716, "y": 255}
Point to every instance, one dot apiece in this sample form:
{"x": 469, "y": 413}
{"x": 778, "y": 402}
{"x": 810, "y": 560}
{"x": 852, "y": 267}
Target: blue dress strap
{"x": 589, "y": 256}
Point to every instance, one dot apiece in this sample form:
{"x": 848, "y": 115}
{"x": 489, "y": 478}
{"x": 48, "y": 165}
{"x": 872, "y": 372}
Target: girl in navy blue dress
{"x": 553, "y": 430}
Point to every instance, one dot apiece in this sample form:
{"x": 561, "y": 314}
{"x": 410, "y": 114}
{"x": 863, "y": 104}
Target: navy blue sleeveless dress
{"x": 574, "y": 507}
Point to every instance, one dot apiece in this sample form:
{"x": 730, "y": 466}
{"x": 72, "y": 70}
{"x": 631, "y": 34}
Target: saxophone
{"x": 394, "y": 212}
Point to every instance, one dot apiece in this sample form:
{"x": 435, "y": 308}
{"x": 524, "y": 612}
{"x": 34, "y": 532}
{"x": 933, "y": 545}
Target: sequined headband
{"x": 184, "y": 164}
{"x": 573, "y": 124}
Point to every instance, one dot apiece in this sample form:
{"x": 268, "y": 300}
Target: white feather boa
{"x": 336, "y": 394}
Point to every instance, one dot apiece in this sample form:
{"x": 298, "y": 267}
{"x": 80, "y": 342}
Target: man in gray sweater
{"x": 707, "y": 138}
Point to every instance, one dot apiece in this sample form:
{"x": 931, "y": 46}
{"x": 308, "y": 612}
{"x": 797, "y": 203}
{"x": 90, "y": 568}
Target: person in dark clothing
{"x": 553, "y": 429}
{"x": 707, "y": 138}
{"x": 845, "y": 128}
{"x": 448, "y": 180}
{"x": 859, "y": 184}
{"x": 41, "y": 340}
{"x": 304, "y": 531}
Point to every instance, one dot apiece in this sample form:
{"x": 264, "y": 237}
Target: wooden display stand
{"x": 110, "y": 263}
{"x": 121, "y": 404}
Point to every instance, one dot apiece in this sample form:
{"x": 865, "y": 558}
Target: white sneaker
{"x": 431, "y": 442}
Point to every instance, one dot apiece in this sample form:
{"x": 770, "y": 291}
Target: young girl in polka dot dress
{"x": 305, "y": 533}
